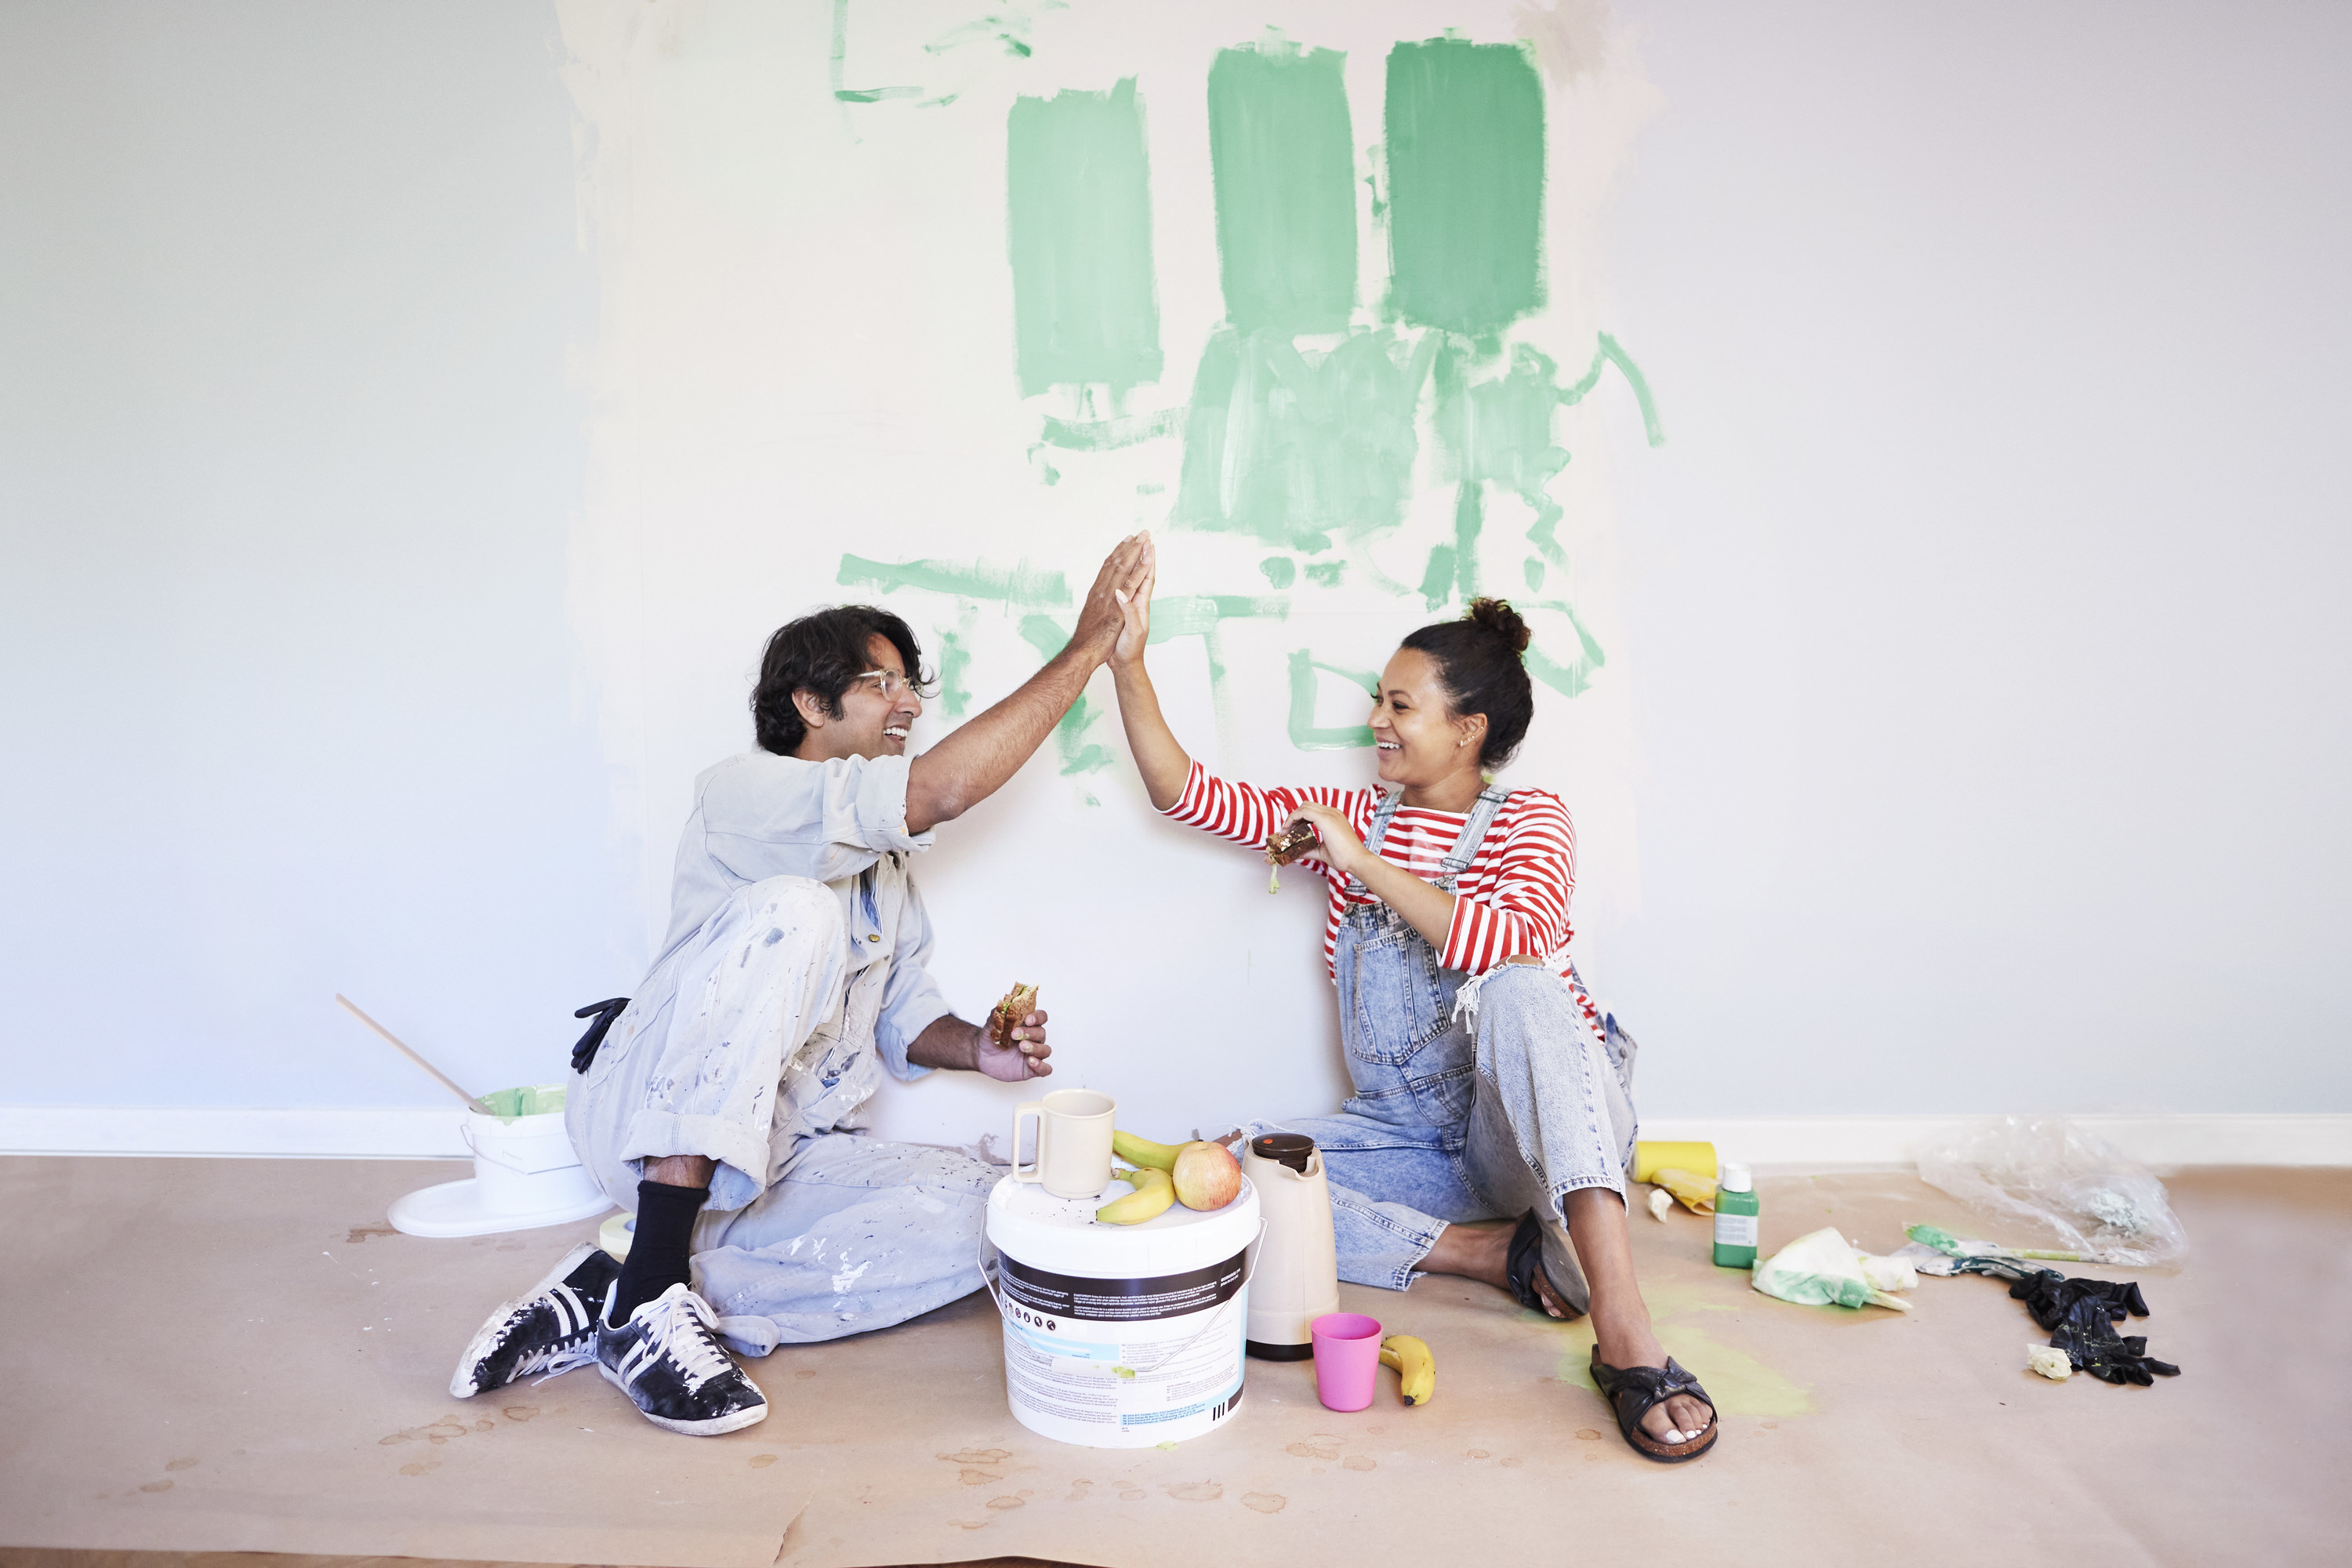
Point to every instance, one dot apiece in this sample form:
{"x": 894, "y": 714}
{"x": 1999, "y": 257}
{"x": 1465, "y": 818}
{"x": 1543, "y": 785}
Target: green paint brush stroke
{"x": 1104, "y": 435}
{"x": 1079, "y": 203}
{"x": 1283, "y": 160}
{"x": 1018, "y": 585}
{"x": 1570, "y": 679}
{"x": 1499, "y": 431}
{"x": 1078, "y": 754}
{"x": 1465, "y": 163}
{"x": 1289, "y": 452}
{"x": 1305, "y": 733}
{"x": 1608, "y": 352}
{"x": 954, "y": 660}
{"x": 1192, "y": 614}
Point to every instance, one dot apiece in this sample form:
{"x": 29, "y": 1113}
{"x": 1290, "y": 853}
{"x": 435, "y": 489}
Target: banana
{"x": 1154, "y": 1191}
{"x": 1416, "y": 1369}
{"x": 1144, "y": 1152}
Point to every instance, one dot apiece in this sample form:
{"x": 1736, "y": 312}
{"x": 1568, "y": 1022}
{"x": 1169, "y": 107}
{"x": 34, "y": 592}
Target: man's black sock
{"x": 659, "y": 1250}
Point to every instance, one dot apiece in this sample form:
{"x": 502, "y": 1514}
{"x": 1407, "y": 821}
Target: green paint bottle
{"x": 1735, "y": 1218}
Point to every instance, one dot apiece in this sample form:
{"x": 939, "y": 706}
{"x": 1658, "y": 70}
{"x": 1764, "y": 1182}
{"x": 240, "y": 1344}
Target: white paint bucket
{"x": 1120, "y": 1336}
{"x": 525, "y": 1174}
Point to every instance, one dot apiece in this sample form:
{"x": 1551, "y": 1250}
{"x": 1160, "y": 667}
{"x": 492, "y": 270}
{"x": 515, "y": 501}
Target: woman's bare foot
{"x": 1621, "y": 1319}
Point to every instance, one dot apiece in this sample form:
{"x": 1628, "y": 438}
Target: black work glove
{"x": 584, "y": 1052}
{"x": 2088, "y": 1334}
{"x": 2053, "y": 1298}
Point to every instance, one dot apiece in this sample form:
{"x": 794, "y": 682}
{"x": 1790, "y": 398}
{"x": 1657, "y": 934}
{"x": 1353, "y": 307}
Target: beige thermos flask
{"x": 1294, "y": 1275}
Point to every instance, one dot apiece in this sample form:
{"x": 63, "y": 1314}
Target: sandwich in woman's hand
{"x": 1285, "y": 845}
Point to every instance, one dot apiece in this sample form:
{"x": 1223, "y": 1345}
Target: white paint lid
{"x": 1031, "y": 1224}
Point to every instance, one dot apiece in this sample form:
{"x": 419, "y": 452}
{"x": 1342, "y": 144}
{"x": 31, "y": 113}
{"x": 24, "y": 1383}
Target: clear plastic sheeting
{"x": 2047, "y": 1171}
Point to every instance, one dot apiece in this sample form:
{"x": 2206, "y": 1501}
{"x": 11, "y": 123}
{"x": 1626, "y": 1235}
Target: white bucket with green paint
{"x": 525, "y": 1172}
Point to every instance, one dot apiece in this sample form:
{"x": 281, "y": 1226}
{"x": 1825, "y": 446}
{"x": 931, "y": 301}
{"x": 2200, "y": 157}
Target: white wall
{"x": 287, "y": 459}
{"x": 411, "y": 419}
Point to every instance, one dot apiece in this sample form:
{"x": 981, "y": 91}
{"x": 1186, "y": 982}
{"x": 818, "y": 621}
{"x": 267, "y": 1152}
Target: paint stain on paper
{"x": 1264, "y": 1502}
{"x": 1464, "y": 131}
{"x": 1079, "y": 225}
{"x": 1194, "y": 1492}
{"x": 1283, "y": 162}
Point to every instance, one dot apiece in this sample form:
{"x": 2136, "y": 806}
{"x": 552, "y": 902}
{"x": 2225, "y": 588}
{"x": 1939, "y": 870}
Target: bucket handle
{"x": 466, "y": 1131}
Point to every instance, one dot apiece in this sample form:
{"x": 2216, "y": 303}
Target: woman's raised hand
{"x": 1135, "y": 610}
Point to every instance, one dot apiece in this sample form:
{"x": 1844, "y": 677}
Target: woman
{"x": 1486, "y": 1082}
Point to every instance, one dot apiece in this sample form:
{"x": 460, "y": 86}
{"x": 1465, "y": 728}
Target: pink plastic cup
{"x": 1346, "y": 1359}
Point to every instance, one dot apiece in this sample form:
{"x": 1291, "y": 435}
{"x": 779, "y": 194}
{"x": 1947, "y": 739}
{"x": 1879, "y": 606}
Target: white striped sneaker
{"x": 552, "y": 1329}
{"x": 668, "y": 1359}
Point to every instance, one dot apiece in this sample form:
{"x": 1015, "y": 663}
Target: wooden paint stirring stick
{"x": 473, "y": 1102}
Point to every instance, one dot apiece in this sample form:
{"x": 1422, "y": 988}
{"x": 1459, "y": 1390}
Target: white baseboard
{"x": 1892, "y": 1142}
{"x": 1772, "y": 1143}
{"x": 337, "y": 1133}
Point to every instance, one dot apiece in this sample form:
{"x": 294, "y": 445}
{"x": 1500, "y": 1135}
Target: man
{"x": 723, "y": 1104}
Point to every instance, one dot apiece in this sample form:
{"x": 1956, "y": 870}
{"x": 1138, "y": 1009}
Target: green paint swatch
{"x": 1305, "y": 733}
{"x": 1288, "y": 452}
{"x": 1078, "y": 196}
{"x": 1465, "y": 163}
{"x": 1284, "y": 162}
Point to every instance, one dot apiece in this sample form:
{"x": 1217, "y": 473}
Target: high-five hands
{"x": 1102, "y": 618}
{"x": 1135, "y": 610}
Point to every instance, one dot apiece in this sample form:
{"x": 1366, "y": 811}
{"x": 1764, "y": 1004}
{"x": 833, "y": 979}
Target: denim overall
{"x": 1473, "y": 1099}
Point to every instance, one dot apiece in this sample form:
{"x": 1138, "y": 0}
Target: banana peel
{"x": 1155, "y": 1190}
{"x": 1143, "y": 1152}
{"x": 1416, "y": 1369}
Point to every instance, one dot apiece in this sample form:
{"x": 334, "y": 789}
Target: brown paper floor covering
{"x": 215, "y": 1356}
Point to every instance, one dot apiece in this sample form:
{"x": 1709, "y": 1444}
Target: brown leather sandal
{"x": 1634, "y": 1391}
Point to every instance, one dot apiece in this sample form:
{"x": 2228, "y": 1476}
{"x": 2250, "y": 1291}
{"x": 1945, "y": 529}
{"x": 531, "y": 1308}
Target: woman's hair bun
{"x": 1496, "y": 618}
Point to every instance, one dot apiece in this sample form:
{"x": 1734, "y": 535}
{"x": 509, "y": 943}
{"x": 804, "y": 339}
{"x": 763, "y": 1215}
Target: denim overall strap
{"x": 1473, "y": 833}
{"x": 1376, "y": 837}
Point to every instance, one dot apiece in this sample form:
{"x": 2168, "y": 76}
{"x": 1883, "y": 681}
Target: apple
{"x": 1206, "y": 1176}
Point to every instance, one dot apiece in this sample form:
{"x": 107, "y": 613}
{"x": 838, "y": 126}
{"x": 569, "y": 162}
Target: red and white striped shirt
{"x": 1513, "y": 898}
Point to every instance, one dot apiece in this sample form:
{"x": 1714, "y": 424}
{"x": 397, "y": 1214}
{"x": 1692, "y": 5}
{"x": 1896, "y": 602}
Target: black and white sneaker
{"x": 668, "y": 1359}
{"x": 552, "y": 1329}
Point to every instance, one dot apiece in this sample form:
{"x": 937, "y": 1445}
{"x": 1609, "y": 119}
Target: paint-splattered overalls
{"x": 1475, "y": 1098}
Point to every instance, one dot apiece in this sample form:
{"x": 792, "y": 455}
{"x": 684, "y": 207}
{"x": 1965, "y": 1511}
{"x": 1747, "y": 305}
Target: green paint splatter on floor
{"x": 1465, "y": 128}
{"x": 1290, "y": 450}
{"x": 1283, "y": 160}
{"x": 1309, "y": 736}
{"x": 1326, "y": 574}
{"x": 1078, "y": 200}
{"x": 1280, "y": 571}
{"x": 1018, "y": 585}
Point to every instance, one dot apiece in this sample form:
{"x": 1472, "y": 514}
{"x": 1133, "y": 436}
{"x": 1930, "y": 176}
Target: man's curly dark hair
{"x": 821, "y": 654}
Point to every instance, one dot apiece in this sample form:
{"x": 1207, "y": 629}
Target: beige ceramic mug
{"x": 1074, "y": 1128}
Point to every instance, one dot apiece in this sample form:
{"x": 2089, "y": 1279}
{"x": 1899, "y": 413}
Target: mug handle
{"x": 1032, "y": 1108}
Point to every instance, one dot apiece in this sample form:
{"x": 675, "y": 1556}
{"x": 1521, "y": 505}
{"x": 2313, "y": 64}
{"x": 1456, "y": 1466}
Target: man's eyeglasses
{"x": 889, "y": 682}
